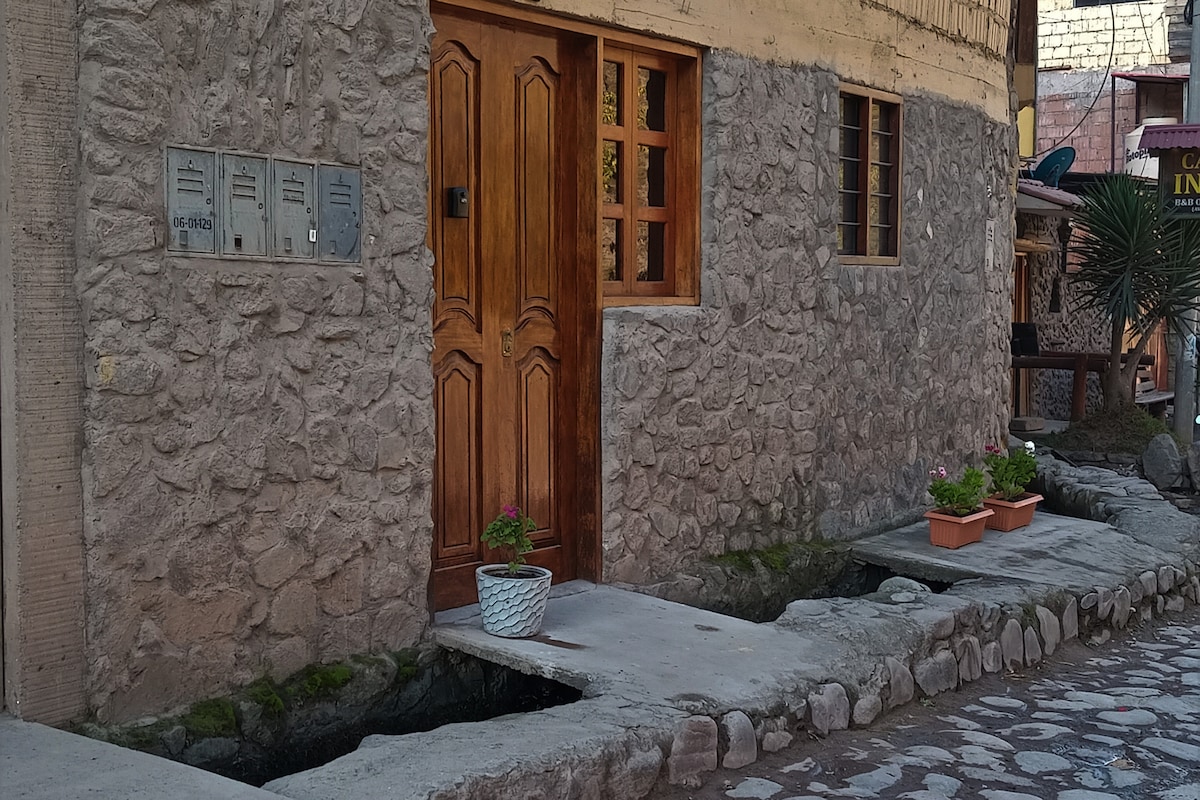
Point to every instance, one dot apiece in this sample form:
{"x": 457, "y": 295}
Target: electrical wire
{"x": 1112, "y": 50}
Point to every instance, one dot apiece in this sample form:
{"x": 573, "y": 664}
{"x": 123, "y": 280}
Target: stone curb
{"x": 981, "y": 637}
{"x": 894, "y": 647}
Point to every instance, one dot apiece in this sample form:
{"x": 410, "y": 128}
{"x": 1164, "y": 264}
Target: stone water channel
{"x": 881, "y": 650}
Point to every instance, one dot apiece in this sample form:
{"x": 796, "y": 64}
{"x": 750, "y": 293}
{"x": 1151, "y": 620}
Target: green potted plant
{"x": 1010, "y": 475}
{"x": 512, "y": 596}
{"x": 959, "y": 516}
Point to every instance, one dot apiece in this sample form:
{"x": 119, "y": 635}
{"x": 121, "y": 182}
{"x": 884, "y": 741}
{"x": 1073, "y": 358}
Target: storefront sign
{"x": 1179, "y": 181}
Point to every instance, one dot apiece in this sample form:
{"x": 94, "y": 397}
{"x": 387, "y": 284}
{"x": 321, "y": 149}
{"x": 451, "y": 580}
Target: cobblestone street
{"x": 1120, "y": 720}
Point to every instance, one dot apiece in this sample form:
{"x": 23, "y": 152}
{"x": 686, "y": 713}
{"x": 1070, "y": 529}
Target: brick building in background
{"x": 1104, "y": 68}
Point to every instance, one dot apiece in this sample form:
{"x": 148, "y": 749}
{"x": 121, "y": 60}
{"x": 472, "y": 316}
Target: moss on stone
{"x": 778, "y": 557}
{"x": 210, "y": 718}
{"x": 407, "y": 664}
{"x": 264, "y": 693}
{"x": 317, "y": 680}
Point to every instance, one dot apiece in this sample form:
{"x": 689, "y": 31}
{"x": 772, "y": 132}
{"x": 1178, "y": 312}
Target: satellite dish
{"x": 1054, "y": 166}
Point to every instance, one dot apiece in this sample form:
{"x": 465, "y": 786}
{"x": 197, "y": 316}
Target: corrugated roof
{"x": 1048, "y": 193}
{"x": 1166, "y": 137}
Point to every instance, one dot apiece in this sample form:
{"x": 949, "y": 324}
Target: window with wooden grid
{"x": 869, "y": 177}
{"x": 649, "y": 176}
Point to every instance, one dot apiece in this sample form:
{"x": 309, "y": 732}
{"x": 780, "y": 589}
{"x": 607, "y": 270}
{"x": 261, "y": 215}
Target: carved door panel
{"x": 501, "y": 326}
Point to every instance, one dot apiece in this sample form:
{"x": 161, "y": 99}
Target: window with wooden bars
{"x": 869, "y": 177}
{"x": 649, "y": 176}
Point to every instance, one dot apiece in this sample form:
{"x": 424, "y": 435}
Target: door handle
{"x": 506, "y": 342}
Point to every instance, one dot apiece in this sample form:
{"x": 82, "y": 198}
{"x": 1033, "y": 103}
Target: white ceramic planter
{"x": 512, "y": 607}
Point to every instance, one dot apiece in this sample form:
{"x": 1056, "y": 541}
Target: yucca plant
{"x": 1139, "y": 267}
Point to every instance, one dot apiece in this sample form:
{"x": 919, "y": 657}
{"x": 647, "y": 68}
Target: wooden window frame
{"x": 684, "y": 199}
{"x": 867, "y": 98}
{"x": 681, "y": 139}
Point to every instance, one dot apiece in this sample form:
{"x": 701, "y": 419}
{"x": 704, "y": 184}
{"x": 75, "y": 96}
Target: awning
{"x": 1167, "y": 137}
{"x": 1150, "y": 77}
{"x": 1035, "y": 197}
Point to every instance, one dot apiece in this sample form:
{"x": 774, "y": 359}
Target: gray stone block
{"x": 742, "y": 745}
{"x": 774, "y": 741}
{"x": 937, "y": 674}
{"x": 1104, "y": 604}
{"x": 866, "y": 710}
{"x": 1162, "y": 462}
{"x": 693, "y": 751}
{"x": 1033, "y": 650}
{"x": 1070, "y": 620}
{"x": 1122, "y": 606}
{"x": 901, "y": 687}
{"x": 1166, "y": 579}
{"x": 1050, "y": 628}
{"x": 828, "y": 709}
{"x": 991, "y": 657}
{"x": 1149, "y": 581}
{"x": 1012, "y": 644}
{"x": 970, "y": 659}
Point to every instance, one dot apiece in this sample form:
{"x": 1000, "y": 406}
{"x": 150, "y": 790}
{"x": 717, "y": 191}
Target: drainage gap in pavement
{"x": 757, "y": 585}
{"x": 269, "y": 730}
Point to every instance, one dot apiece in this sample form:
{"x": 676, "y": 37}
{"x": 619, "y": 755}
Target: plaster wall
{"x": 806, "y": 397}
{"x": 1130, "y": 34}
{"x": 947, "y": 47}
{"x": 259, "y": 436}
{"x": 41, "y": 550}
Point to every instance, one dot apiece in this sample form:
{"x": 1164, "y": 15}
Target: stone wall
{"x": 259, "y": 436}
{"x": 805, "y": 398}
{"x": 1069, "y": 328}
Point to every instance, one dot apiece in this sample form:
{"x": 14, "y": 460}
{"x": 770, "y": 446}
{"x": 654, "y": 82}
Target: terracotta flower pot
{"x": 1011, "y": 514}
{"x": 947, "y": 530}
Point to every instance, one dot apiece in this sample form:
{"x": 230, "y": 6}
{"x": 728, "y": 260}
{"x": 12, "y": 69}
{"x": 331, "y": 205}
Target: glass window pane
{"x": 847, "y": 238}
{"x": 881, "y": 210}
{"x": 850, "y": 139}
{"x": 873, "y": 240}
{"x": 879, "y": 179}
{"x": 651, "y": 251}
{"x": 850, "y": 206}
{"x": 610, "y": 250}
{"x": 881, "y": 147}
{"x": 848, "y": 172}
{"x": 652, "y": 176}
{"x": 883, "y": 117}
{"x": 610, "y": 113}
{"x": 652, "y": 99}
{"x": 851, "y": 113}
{"x": 610, "y": 173}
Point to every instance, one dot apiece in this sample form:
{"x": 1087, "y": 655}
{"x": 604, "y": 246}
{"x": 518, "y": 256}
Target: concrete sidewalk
{"x": 41, "y": 763}
{"x": 666, "y": 675}
{"x": 670, "y": 691}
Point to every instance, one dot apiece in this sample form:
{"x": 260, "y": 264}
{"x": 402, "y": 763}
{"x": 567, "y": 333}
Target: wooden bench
{"x": 1147, "y": 394}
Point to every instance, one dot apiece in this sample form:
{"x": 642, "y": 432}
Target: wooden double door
{"x": 515, "y": 308}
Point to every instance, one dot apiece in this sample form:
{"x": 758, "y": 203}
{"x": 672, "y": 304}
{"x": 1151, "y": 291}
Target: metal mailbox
{"x": 191, "y": 203}
{"x": 244, "y": 198}
{"x": 293, "y": 210}
{"x": 339, "y": 213}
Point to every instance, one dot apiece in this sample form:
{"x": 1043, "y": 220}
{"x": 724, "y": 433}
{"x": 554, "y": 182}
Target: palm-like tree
{"x": 1140, "y": 266}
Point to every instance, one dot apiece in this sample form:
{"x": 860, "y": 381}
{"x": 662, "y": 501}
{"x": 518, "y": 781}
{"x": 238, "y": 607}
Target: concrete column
{"x": 41, "y": 374}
